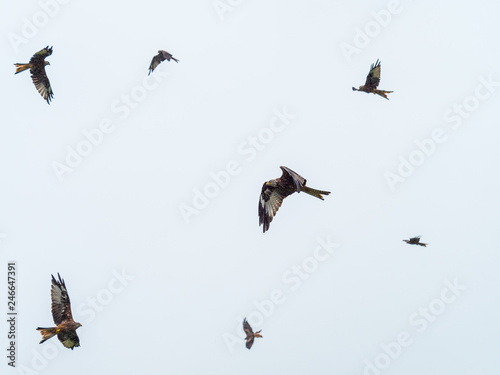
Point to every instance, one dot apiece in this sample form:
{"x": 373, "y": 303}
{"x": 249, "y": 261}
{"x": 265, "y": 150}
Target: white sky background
{"x": 194, "y": 282}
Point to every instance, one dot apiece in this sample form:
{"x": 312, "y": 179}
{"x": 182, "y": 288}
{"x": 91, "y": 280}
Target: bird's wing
{"x": 69, "y": 339}
{"x": 39, "y": 57}
{"x": 156, "y": 61}
{"x": 61, "y": 306}
{"x": 373, "y": 78}
{"x": 291, "y": 177}
{"x": 269, "y": 203}
{"x": 246, "y": 327}
{"x": 249, "y": 342}
{"x": 41, "y": 82}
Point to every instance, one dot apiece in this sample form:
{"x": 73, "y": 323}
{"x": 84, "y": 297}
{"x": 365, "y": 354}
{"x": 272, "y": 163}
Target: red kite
{"x": 415, "y": 241}
{"x": 274, "y": 191}
{"x": 61, "y": 313}
{"x": 37, "y": 68}
{"x": 162, "y": 56}
{"x": 250, "y": 335}
{"x": 372, "y": 81}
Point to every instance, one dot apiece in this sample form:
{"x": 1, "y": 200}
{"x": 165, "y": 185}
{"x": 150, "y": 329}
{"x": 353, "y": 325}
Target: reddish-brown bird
{"x": 250, "y": 334}
{"x": 372, "y": 82}
{"x": 274, "y": 191}
{"x": 37, "y": 68}
{"x": 61, "y": 313}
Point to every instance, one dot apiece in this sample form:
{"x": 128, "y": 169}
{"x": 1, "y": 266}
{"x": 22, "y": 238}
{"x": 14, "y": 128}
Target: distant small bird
{"x": 274, "y": 191}
{"x": 61, "y": 313}
{"x": 372, "y": 81}
{"x": 250, "y": 335}
{"x": 162, "y": 56}
{"x": 415, "y": 241}
{"x": 37, "y": 68}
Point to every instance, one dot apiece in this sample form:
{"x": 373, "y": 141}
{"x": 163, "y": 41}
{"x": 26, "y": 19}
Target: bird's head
{"x": 78, "y": 325}
{"x": 47, "y": 63}
{"x": 271, "y": 183}
{"x": 354, "y": 89}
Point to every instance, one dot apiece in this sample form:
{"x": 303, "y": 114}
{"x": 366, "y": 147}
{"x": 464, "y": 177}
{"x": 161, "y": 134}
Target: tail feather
{"x": 22, "y": 67}
{"x": 47, "y": 333}
{"x": 383, "y": 93}
{"x": 315, "y": 193}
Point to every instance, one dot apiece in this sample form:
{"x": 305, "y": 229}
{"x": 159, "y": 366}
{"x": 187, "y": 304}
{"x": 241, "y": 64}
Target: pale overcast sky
{"x": 142, "y": 192}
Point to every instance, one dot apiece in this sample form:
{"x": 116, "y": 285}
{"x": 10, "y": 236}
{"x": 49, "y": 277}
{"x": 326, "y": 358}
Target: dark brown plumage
{"x": 274, "y": 191}
{"x": 61, "y": 313}
{"x": 415, "y": 241}
{"x": 372, "y": 82}
{"x": 37, "y": 69}
{"x": 250, "y": 334}
{"x": 162, "y": 56}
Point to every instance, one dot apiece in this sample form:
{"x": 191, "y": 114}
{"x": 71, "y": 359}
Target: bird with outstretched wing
{"x": 61, "y": 313}
{"x": 274, "y": 191}
{"x": 250, "y": 334}
{"x": 37, "y": 68}
{"x": 162, "y": 56}
{"x": 415, "y": 241}
{"x": 372, "y": 82}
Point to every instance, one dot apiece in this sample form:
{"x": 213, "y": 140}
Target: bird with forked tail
{"x": 61, "y": 313}
{"x": 37, "y": 68}
{"x": 274, "y": 191}
{"x": 372, "y": 82}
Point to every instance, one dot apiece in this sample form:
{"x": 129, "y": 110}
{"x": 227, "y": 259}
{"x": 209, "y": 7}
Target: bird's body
{"x": 250, "y": 334}
{"x": 274, "y": 191}
{"x": 415, "y": 241}
{"x": 37, "y": 69}
{"x": 372, "y": 82}
{"x": 61, "y": 313}
{"x": 162, "y": 56}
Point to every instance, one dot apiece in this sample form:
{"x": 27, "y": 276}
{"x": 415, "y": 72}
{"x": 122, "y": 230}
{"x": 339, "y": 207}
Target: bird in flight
{"x": 162, "y": 56}
{"x": 250, "y": 335}
{"x": 274, "y": 191}
{"x": 61, "y": 313}
{"x": 372, "y": 81}
{"x": 37, "y": 68}
{"x": 415, "y": 241}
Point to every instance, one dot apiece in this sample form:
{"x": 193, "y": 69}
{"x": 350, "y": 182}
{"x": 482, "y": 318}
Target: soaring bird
{"x": 415, "y": 241}
{"x": 162, "y": 56}
{"x": 250, "y": 335}
{"x": 61, "y": 313}
{"x": 274, "y": 191}
{"x": 37, "y": 68}
{"x": 372, "y": 81}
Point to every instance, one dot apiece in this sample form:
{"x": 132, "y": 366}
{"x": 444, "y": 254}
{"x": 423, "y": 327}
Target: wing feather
{"x": 288, "y": 177}
{"x": 373, "y": 78}
{"x": 269, "y": 203}
{"x": 61, "y": 306}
